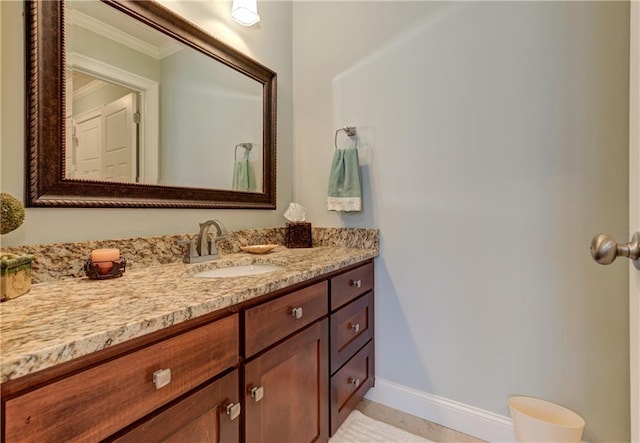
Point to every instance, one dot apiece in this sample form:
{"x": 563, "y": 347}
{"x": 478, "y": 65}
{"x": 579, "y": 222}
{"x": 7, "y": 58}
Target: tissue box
{"x": 298, "y": 235}
{"x": 15, "y": 276}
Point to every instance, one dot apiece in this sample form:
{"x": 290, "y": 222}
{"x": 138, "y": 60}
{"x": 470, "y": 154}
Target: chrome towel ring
{"x": 350, "y": 131}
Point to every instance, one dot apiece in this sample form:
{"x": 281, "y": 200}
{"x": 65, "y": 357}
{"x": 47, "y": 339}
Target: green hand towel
{"x": 244, "y": 178}
{"x": 345, "y": 192}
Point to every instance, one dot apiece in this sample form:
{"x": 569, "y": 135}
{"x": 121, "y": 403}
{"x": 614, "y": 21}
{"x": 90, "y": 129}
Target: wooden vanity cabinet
{"x": 308, "y": 359}
{"x": 288, "y": 369}
{"x": 351, "y": 341}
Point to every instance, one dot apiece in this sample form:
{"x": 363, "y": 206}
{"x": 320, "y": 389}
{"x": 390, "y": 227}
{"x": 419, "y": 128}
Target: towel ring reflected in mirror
{"x": 351, "y": 132}
{"x": 247, "y": 146}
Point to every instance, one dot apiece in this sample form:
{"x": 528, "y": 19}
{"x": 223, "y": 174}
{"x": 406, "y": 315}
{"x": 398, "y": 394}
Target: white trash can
{"x": 540, "y": 421}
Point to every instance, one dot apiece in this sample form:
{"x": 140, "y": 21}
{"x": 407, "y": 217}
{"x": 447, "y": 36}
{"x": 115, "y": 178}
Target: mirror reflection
{"x": 144, "y": 108}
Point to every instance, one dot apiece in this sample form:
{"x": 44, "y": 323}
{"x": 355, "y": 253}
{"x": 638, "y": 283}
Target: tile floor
{"x": 413, "y": 424}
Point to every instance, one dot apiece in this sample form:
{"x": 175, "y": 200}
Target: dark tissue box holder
{"x": 298, "y": 235}
{"x": 93, "y": 271}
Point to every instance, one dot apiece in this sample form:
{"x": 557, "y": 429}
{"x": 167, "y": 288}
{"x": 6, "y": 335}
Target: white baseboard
{"x": 449, "y": 413}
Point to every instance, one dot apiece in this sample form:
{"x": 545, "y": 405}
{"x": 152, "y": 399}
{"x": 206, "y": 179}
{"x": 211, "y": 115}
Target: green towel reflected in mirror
{"x": 244, "y": 177}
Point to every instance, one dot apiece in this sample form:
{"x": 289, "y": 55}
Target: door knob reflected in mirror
{"x": 604, "y": 249}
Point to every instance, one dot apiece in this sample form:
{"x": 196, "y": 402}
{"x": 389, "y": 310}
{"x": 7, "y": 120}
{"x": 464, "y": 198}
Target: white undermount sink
{"x": 237, "y": 271}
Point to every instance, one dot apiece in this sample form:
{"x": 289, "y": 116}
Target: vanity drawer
{"x": 345, "y": 287}
{"x": 269, "y": 322}
{"x": 194, "y": 418}
{"x": 351, "y": 328}
{"x": 97, "y": 402}
{"x": 349, "y": 385}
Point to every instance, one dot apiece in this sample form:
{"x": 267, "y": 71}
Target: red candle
{"x": 104, "y": 258}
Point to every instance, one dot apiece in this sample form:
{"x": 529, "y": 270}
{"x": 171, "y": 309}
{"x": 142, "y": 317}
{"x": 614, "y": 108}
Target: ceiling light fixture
{"x": 245, "y": 12}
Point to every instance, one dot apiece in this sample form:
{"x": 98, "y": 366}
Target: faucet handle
{"x": 191, "y": 252}
{"x": 186, "y": 242}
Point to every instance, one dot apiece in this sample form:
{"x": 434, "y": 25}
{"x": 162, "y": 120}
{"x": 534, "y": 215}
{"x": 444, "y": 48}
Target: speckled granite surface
{"x": 62, "y": 320}
{"x": 63, "y": 260}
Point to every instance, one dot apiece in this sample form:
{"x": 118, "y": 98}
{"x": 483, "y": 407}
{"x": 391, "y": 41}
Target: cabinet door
{"x": 208, "y": 415}
{"x": 286, "y": 390}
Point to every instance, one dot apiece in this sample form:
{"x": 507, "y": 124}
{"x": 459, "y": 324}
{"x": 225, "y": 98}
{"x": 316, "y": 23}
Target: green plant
{"x": 12, "y": 212}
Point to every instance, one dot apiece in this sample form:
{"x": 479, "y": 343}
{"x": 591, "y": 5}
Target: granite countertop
{"x": 66, "y": 319}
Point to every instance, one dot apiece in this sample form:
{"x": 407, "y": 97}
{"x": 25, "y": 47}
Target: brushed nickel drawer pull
{"x": 161, "y": 378}
{"x": 296, "y": 312}
{"x": 355, "y": 327}
{"x": 356, "y": 283}
{"x": 354, "y": 381}
{"x": 257, "y": 393}
{"x": 233, "y": 410}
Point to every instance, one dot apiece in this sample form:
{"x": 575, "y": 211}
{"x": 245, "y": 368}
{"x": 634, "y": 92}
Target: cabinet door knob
{"x": 355, "y": 327}
{"x": 354, "y": 381}
{"x": 356, "y": 283}
{"x": 233, "y": 410}
{"x": 257, "y": 392}
{"x": 296, "y": 312}
{"x": 161, "y": 378}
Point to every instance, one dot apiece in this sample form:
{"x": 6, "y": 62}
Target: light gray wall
{"x": 494, "y": 144}
{"x": 269, "y": 44}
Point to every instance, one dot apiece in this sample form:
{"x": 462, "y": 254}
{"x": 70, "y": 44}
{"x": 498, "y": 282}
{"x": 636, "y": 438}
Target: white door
{"x": 105, "y": 142}
{"x": 119, "y": 145}
{"x": 69, "y": 151}
{"x": 634, "y": 216}
{"x": 87, "y": 145}
{"x": 600, "y": 250}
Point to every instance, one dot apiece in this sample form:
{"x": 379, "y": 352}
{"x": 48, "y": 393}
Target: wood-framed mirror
{"x": 57, "y": 171}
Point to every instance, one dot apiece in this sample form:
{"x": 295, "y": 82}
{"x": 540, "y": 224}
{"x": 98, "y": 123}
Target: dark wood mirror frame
{"x": 45, "y": 132}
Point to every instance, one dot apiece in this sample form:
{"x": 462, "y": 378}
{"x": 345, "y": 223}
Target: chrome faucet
{"x": 203, "y": 249}
{"x": 204, "y": 246}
